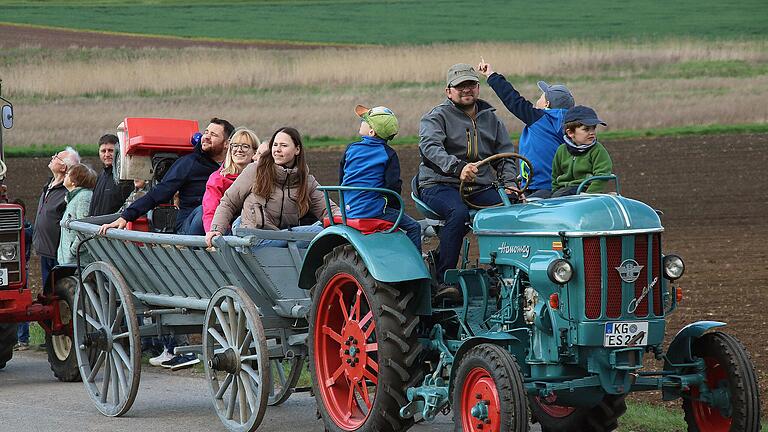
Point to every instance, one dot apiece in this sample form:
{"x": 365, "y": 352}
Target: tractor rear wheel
{"x": 602, "y": 417}
{"x": 363, "y": 346}
{"x": 488, "y": 392}
{"x": 729, "y": 368}
{"x": 61, "y": 356}
{"x": 7, "y": 341}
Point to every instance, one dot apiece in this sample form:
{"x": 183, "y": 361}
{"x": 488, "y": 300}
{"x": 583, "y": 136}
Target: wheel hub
{"x": 228, "y": 361}
{"x": 352, "y": 351}
{"x": 480, "y": 411}
{"x": 100, "y": 340}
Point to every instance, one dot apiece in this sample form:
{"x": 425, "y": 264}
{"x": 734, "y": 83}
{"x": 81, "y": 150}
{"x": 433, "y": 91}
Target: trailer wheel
{"x": 488, "y": 392}
{"x": 363, "y": 346}
{"x": 7, "y": 341}
{"x": 107, "y": 344}
{"x": 236, "y": 359}
{"x": 284, "y": 382}
{"x": 557, "y": 418}
{"x": 729, "y": 368}
{"x": 61, "y": 356}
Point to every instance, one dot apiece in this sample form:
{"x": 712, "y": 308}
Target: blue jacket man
{"x": 187, "y": 176}
{"x": 543, "y": 131}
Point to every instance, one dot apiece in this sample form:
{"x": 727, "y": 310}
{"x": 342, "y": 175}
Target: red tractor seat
{"x": 364, "y": 225}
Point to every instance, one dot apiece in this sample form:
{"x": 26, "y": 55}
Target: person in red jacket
{"x": 242, "y": 150}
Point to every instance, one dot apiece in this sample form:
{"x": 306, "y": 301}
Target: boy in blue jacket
{"x": 543, "y": 131}
{"x": 371, "y": 162}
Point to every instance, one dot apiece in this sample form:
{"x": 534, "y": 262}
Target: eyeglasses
{"x": 56, "y": 156}
{"x": 242, "y": 147}
{"x": 471, "y": 85}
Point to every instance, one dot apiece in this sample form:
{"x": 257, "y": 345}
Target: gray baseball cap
{"x": 558, "y": 95}
{"x": 459, "y": 73}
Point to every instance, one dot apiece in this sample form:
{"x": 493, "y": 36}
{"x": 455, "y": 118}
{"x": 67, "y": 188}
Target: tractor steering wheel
{"x": 521, "y": 188}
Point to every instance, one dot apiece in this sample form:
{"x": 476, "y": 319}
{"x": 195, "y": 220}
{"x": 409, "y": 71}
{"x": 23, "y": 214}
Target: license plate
{"x": 3, "y": 277}
{"x": 626, "y": 334}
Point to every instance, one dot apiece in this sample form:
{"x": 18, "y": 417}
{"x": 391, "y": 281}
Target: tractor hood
{"x": 586, "y": 213}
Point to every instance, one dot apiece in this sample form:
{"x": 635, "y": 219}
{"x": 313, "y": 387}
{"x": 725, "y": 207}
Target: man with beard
{"x": 453, "y": 137}
{"x": 108, "y": 196}
{"x": 187, "y": 176}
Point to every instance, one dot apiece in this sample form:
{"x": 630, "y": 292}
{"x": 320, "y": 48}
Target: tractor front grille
{"x": 606, "y": 295}
{"x": 10, "y": 219}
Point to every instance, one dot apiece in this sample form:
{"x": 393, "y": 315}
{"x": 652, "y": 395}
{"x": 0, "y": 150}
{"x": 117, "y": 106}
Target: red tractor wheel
{"x": 7, "y": 341}
{"x": 560, "y": 418}
{"x": 729, "y": 372}
{"x": 363, "y": 347}
{"x": 488, "y": 392}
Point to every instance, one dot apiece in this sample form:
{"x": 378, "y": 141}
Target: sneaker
{"x": 163, "y": 357}
{"x": 444, "y": 295}
{"x": 181, "y": 361}
{"x": 21, "y": 346}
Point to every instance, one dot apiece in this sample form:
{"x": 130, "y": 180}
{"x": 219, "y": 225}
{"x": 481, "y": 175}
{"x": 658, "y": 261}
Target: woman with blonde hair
{"x": 274, "y": 193}
{"x": 242, "y": 150}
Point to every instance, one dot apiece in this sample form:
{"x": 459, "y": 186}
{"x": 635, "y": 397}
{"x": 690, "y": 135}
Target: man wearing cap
{"x": 453, "y": 136}
{"x": 543, "y": 131}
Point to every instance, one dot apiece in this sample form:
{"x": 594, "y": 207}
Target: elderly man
{"x": 453, "y": 136}
{"x": 50, "y": 209}
{"x": 108, "y": 196}
{"x": 187, "y": 176}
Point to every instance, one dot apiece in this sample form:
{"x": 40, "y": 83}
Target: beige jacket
{"x": 278, "y": 211}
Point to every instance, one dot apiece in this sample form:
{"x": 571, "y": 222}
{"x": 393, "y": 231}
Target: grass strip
{"x": 88, "y": 150}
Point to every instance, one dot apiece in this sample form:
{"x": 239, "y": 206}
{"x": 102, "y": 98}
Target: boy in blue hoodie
{"x": 371, "y": 162}
{"x": 543, "y": 131}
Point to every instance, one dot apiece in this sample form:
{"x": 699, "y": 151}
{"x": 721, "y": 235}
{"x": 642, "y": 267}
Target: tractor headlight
{"x": 673, "y": 267}
{"x": 560, "y": 271}
{"x": 8, "y": 252}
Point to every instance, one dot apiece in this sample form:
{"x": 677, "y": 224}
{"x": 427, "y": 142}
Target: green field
{"x": 405, "y": 21}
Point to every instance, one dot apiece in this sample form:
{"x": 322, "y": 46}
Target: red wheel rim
{"x": 346, "y": 352}
{"x": 709, "y": 418}
{"x": 480, "y": 390}
{"x": 552, "y": 409}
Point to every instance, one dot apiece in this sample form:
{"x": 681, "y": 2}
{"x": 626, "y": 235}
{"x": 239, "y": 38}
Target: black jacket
{"x": 108, "y": 197}
{"x": 187, "y": 176}
{"x": 50, "y": 210}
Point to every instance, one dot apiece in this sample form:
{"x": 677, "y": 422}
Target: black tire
{"x": 287, "y": 383}
{"x": 396, "y": 351}
{"x": 728, "y": 363}
{"x": 489, "y": 375}
{"x": 602, "y": 417}
{"x": 61, "y": 355}
{"x": 7, "y": 341}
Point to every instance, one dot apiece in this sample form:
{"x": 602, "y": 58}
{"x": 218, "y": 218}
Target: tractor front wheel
{"x": 363, "y": 346}
{"x": 729, "y": 373}
{"x": 488, "y": 392}
{"x": 558, "y": 418}
{"x": 61, "y": 356}
{"x": 7, "y": 341}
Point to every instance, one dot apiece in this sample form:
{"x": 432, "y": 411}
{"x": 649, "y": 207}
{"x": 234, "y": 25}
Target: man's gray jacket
{"x": 449, "y": 139}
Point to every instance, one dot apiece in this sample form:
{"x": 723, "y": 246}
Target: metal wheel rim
{"x": 243, "y": 389}
{"x": 287, "y": 381}
{"x": 344, "y": 312}
{"x": 111, "y": 368}
{"x": 709, "y": 418}
{"x": 552, "y": 409}
{"x": 480, "y": 389}
{"x": 62, "y": 346}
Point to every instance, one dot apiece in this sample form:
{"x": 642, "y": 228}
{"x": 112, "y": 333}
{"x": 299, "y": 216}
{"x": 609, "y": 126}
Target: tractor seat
{"x": 364, "y": 225}
{"x": 421, "y": 205}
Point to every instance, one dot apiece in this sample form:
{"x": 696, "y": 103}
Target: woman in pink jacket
{"x": 243, "y": 145}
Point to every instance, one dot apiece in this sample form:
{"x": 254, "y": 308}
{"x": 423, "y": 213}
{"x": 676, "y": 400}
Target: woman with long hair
{"x": 274, "y": 193}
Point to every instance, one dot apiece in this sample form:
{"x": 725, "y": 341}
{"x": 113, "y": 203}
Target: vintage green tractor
{"x": 569, "y": 297}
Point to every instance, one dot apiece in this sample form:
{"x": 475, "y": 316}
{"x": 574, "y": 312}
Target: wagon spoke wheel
{"x": 285, "y": 375}
{"x": 730, "y": 376}
{"x": 363, "y": 346}
{"x": 107, "y": 339}
{"x": 237, "y": 364}
{"x": 489, "y": 394}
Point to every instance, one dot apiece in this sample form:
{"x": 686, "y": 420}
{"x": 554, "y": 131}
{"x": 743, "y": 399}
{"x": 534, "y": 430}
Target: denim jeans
{"x": 316, "y": 228}
{"x": 408, "y": 224}
{"x": 446, "y": 202}
{"x": 193, "y": 224}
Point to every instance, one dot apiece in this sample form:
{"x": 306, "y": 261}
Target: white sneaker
{"x": 165, "y": 356}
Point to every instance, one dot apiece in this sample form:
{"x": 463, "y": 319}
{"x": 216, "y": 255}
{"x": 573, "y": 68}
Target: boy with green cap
{"x": 371, "y": 162}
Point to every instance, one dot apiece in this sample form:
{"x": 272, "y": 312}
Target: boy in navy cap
{"x": 542, "y": 134}
{"x": 371, "y": 162}
{"x": 581, "y": 156}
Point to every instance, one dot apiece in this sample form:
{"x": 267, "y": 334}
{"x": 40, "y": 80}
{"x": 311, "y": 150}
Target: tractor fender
{"x": 507, "y": 340}
{"x": 59, "y": 272}
{"x": 679, "y": 350}
{"x": 389, "y": 257}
